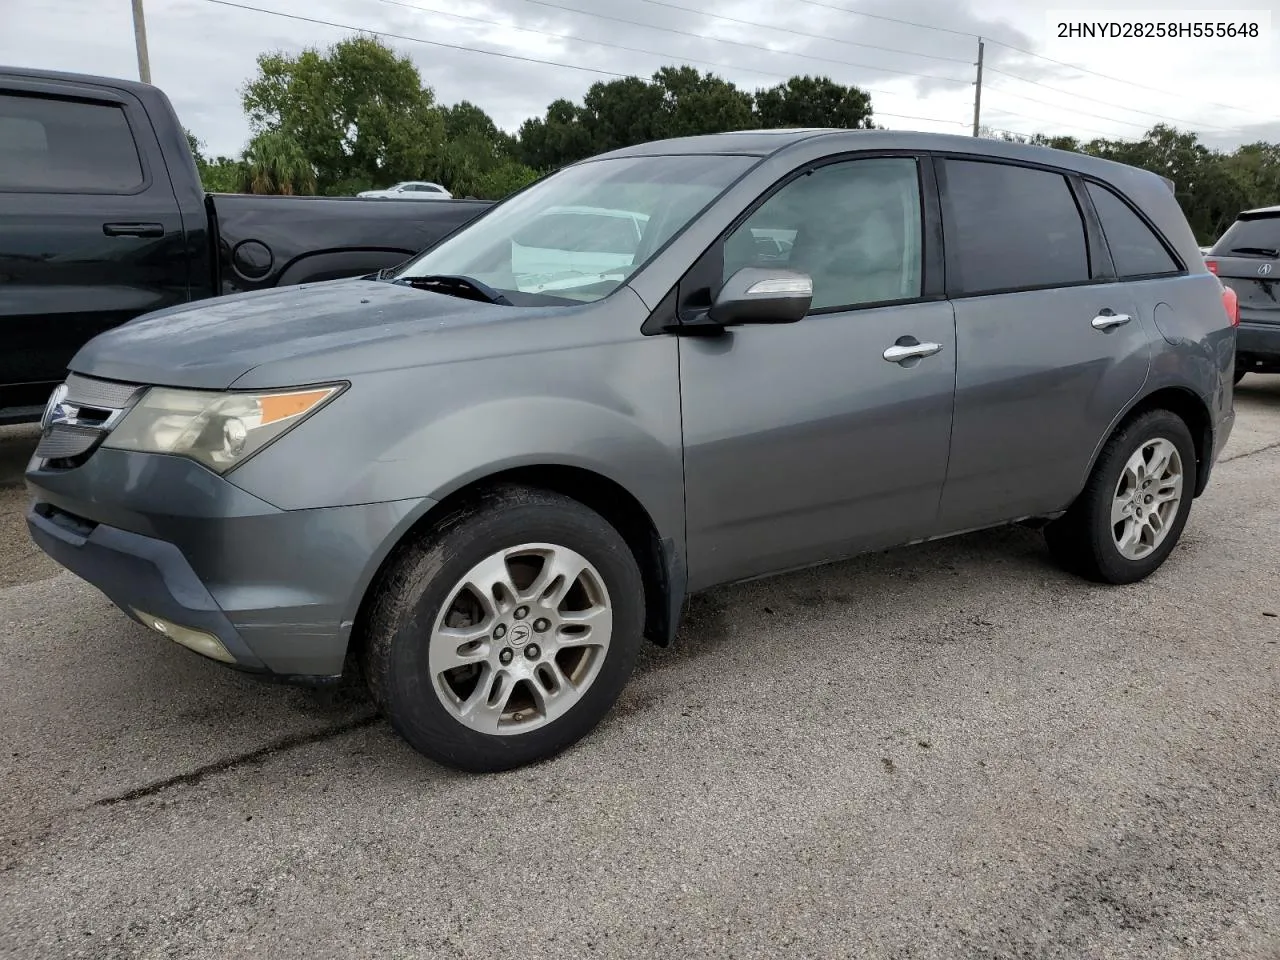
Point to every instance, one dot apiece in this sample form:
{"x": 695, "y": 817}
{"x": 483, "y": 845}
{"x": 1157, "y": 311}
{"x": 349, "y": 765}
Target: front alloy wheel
{"x": 521, "y": 638}
{"x": 507, "y": 632}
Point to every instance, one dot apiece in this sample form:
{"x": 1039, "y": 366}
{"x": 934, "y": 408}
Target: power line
{"x": 735, "y": 43}
{"x": 1017, "y": 49}
{"x": 631, "y": 49}
{"x": 1024, "y": 116}
{"x": 880, "y": 16}
{"x": 1095, "y": 73}
{"x": 433, "y": 43}
{"x": 492, "y": 53}
{"x": 577, "y": 39}
{"x": 1057, "y": 106}
{"x": 799, "y": 33}
{"x": 1107, "y": 103}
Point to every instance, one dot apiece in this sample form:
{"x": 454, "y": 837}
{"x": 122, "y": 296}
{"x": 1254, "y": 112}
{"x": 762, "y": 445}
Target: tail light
{"x": 1212, "y": 265}
{"x": 1232, "y": 305}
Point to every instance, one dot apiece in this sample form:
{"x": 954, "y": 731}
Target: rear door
{"x": 90, "y": 230}
{"x": 1049, "y": 348}
{"x": 1247, "y": 259}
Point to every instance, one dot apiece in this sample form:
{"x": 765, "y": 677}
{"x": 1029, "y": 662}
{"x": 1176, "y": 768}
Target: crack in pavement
{"x": 230, "y": 763}
{"x": 1251, "y": 453}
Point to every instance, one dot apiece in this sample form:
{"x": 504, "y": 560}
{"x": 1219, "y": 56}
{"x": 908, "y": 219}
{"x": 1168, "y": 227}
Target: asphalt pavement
{"x": 947, "y": 751}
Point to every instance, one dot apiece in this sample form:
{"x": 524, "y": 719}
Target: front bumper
{"x": 164, "y": 536}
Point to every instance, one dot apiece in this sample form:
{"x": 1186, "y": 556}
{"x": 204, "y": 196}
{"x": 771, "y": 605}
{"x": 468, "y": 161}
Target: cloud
{"x": 203, "y": 52}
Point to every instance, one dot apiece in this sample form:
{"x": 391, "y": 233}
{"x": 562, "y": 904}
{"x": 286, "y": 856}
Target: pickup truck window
{"x": 66, "y": 146}
{"x": 572, "y": 237}
{"x": 854, "y": 227}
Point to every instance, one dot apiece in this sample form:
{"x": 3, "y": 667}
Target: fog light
{"x": 197, "y": 640}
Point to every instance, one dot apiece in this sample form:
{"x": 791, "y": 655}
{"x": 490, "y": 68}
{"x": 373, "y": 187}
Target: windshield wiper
{"x": 456, "y": 285}
{"x": 1259, "y": 251}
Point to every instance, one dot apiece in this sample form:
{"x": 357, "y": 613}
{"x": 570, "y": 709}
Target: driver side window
{"x": 854, "y": 227}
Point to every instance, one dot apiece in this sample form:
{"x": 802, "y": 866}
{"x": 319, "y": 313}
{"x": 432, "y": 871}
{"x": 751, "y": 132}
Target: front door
{"x": 90, "y": 231}
{"x": 803, "y": 442}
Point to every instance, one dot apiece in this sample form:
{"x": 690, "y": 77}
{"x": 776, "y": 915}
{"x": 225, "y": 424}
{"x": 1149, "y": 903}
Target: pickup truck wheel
{"x": 1131, "y": 513}
{"x": 505, "y": 636}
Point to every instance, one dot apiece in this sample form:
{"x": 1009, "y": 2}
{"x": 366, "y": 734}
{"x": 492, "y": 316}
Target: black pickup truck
{"x": 103, "y": 218}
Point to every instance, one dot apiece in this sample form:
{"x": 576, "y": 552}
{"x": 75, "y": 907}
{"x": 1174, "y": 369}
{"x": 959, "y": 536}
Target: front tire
{"x": 1132, "y": 511}
{"x": 506, "y": 634}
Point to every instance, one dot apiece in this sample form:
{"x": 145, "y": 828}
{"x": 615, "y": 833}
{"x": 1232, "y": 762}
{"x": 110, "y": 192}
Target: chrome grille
{"x": 81, "y": 413}
{"x": 63, "y": 442}
{"x": 100, "y": 394}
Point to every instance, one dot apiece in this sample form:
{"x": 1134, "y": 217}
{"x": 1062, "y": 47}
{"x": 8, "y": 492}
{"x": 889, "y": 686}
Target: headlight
{"x": 218, "y": 429}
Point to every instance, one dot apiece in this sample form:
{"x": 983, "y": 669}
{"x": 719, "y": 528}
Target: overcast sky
{"x": 203, "y": 51}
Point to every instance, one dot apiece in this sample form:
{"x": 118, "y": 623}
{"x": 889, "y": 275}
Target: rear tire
{"x": 507, "y": 633}
{"x": 1134, "y": 506}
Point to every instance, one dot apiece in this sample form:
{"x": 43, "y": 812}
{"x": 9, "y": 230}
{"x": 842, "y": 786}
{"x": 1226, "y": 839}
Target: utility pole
{"x": 977, "y": 88}
{"x": 140, "y": 40}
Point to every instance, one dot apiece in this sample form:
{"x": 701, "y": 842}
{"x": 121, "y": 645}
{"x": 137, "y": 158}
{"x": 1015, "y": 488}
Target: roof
{"x": 1261, "y": 212}
{"x": 113, "y": 82}
{"x": 763, "y": 143}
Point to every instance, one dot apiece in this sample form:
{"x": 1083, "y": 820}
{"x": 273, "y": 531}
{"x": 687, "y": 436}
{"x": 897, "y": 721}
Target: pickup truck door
{"x": 90, "y": 229}
{"x": 815, "y": 440}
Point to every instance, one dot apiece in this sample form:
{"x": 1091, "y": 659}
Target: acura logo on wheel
{"x": 1264, "y": 269}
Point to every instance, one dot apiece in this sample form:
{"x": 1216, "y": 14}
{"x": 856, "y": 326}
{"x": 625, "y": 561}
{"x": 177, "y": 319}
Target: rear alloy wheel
{"x": 505, "y": 635}
{"x": 1133, "y": 508}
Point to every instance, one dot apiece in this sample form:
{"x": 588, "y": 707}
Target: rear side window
{"x": 1011, "y": 228}
{"x": 66, "y": 146}
{"x": 1135, "y": 250}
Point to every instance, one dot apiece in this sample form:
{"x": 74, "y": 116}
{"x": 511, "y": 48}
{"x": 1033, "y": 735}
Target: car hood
{"x": 213, "y": 343}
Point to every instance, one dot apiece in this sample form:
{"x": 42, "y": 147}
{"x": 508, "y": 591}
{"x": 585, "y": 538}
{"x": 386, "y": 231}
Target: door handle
{"x": 901, "y": 352}
{"x": 133, "y": 229}
{"x": 1106, "y": 320}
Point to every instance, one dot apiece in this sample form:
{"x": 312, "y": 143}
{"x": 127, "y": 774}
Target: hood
{"x": 212, "y": 343}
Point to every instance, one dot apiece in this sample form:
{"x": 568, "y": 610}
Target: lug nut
{"x": 521, "y": 612}
{"x": 499, "y": 631}
{"x": 532, "y": 652}
{"x": 506, "y": 656}
{"x": 541, "y": 625}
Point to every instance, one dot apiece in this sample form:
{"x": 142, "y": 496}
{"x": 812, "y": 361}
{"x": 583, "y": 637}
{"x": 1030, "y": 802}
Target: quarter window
{"x": 1010, "y": 228}
{"x": 66, "y": 146}
{"x": 1135, "y": 250}
{"x": 853, "y": 227}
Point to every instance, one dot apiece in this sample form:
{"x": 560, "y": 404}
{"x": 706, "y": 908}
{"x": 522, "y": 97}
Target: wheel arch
{"x": 662, "y": 568}
{"x": 1181, "y": 401}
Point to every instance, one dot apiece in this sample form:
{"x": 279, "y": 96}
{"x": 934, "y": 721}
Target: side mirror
{"x": 762, "y": 295}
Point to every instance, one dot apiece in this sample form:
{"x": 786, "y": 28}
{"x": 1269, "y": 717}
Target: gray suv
{"x": 484, "y": 477}
{"x": 1247, "y": 259}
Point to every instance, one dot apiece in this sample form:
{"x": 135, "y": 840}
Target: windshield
{"x": 580, "y": 234}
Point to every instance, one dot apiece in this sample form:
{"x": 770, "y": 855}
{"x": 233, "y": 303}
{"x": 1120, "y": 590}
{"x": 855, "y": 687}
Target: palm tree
{"x": 274, "y": 163}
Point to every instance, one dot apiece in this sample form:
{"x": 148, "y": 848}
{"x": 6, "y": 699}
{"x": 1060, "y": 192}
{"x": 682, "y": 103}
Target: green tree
{"x": 274, "y": 163}
{"x": 219, "y": 175}
{"x": 674, "y": 102}
{"x": 358, "y": 112}
{"x": 813, "y": 102}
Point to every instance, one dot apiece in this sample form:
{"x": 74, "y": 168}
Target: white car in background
{"x": 569, "y": 246}
{"x": 409, "y": 190}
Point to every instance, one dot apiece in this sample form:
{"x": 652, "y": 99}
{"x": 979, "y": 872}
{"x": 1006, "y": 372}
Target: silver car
{"x": 486, "y": 487}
